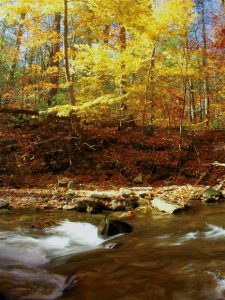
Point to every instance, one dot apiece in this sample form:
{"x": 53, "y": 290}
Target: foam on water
{"x": 68, "y": 237}
{"x": 23, "y": 257}
{"x": 212, "y": 232}
{"x": 219, "y": 291}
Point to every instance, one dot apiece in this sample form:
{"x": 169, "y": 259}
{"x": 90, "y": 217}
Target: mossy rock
{"x": 211, "y": 195}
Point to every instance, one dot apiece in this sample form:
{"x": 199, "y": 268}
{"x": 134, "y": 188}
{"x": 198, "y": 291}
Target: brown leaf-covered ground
{"x": 36, "y": 153}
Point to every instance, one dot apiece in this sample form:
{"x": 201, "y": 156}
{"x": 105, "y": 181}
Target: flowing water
{"x": 166, "y": 257}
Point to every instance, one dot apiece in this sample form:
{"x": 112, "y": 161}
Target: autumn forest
{"x": 158, "y": 63}
{"x": 112, "y": 143}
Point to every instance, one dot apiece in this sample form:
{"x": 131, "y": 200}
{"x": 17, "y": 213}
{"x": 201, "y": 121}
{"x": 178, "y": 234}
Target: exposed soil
{"x": 36, "y": 154}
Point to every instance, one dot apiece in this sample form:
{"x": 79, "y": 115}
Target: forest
{"x": 112, "y": 149}
{"x": 158, "y": 63}
{"x": 94, "y": 79}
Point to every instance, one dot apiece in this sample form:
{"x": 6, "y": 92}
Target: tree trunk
{"x": 17, "y": 50}
{"x": 149, "y": 92}
{"x": 192, "y": 113}
{"x": 106, "y": 33}
{"x": 66, "y": 55}
{"x": 75, "y": 124}
{"x": 123, "y": 108}
{"x": 204, "y": 64}
{"x": 54, "y": 59}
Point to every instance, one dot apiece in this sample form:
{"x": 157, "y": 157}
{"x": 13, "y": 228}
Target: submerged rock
{"x": 164, "y": 205}
{"x": 109, "y": 227}
{"x": 5, "y": 211}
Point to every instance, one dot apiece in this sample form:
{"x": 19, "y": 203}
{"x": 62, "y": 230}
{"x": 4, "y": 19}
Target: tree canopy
{"x": 159, "y": 62}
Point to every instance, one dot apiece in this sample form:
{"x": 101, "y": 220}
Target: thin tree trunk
{"x": 54, "y": 59}
{"x": 204, "y": 64}
{"x": 66, "y": 55}
{"x": 75, "y": 124}
{"x": 106, "y": 33}
{"x": 183, "y": 107}
{"x": 123, "y": 42}
{"x": 17, "y": 50}
{"x": 192, "y": 113}
{"x": 149, "y": 92}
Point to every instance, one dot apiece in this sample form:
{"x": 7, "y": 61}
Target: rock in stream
{"x": 109, "y": 227}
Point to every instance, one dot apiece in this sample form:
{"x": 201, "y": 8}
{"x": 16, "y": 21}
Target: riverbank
{"x": 126, "y": 201}
{"x": 42, "y": 166}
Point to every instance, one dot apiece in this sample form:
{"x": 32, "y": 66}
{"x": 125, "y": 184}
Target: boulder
{"x": 109, "y": 227}
{"x": 164, "y": 205}
{"x": 212, "y": 195}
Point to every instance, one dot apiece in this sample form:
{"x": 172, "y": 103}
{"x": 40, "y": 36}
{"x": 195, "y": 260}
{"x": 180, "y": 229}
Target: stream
{"x": 178, "y": 257}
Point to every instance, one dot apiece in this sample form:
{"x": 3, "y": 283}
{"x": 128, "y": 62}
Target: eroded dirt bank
{"x": 36, "y": 154}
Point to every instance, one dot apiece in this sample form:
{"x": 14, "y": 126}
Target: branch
{"x": 16, "y": 111}
{"x": 217, "y": 164}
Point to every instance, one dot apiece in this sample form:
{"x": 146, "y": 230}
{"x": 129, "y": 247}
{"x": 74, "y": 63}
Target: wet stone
{"x": 211, "y": 195}
{"x": 109, "y": 227}
{"x": 164, "y": 205}
{"x": 80, "y": 206}
{"x": 117, "y": 206}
